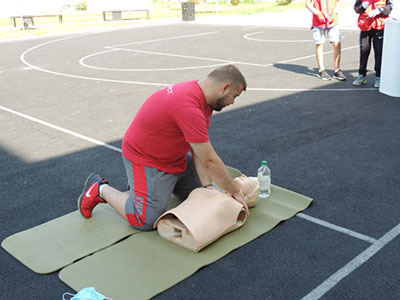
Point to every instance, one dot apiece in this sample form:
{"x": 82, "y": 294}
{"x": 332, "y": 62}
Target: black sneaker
{"x": 324, "y": 75}
{"x": 339, "y": 75}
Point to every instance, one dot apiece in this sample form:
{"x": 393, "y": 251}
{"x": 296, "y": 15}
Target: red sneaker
{"x": 89, "y": 198}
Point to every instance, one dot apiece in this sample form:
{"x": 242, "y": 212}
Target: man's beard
{"x": 220, "y": 103}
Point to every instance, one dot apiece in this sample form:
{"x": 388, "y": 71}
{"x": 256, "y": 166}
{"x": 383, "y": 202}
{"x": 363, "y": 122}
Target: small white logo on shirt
{"x": 170, "y": 90}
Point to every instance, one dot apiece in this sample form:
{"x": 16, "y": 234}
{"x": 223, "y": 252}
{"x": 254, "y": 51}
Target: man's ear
{"x": 225, "y": 87}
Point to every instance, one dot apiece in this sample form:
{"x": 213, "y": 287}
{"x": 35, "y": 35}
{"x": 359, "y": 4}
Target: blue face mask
{"x": 88, "y": 293}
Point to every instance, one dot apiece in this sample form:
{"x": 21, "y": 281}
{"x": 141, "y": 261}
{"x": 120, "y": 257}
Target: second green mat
{"x": 145, "y": 265}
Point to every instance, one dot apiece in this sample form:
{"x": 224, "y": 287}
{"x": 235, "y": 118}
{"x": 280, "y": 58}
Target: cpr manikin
{"x": 206, "y": 215}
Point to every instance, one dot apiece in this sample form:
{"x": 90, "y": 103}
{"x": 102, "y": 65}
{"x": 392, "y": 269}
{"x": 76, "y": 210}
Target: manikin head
{"x": 250, "y": 189}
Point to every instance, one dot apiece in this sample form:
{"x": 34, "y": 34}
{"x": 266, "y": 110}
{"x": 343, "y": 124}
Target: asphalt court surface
{"x": 66, "y": 101}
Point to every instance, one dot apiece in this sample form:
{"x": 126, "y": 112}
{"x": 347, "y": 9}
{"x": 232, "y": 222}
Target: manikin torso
{"x": 206, "y": 215}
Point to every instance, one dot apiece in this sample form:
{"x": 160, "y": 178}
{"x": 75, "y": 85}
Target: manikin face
{"x": 247, "y": 185}
{"x": 227, "y": 99}
{"x": 250, "y": 189}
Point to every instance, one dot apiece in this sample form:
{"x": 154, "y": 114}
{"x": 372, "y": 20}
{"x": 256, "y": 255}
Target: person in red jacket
{"x": 325, "y": 22}
{"x": 373, "y": 14}
{"x": 167, "y": 150}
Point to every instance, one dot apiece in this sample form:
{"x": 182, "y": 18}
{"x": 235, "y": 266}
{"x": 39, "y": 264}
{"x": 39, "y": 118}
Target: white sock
{"x": 101, "y": 187}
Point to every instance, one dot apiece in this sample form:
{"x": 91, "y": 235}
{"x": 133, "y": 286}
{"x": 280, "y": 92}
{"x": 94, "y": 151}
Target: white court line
{"x": 94, "y": 141}
{"x": 251, "y": 28}
{"x": 309, "y": 56}
{"x": 333, "y": 280}
{"x": 166, "y": 39}
{"x": 337, "y": 228}
{"x": 312, "y": 90}
{"x": 247, "y": 37}
{"x": 82, "y": 63}
{"x": 192, "y": 57}
{"x": 22, "y": 57}
{"x": 223, "y": 61}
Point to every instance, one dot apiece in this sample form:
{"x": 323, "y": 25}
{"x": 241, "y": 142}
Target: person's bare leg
{"x": 319, "y": 52}
{"x": 337, "y": 47}
{"x": 115, "y": 199}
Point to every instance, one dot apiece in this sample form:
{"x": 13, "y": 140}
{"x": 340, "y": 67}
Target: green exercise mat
{"x": 53, "y": 245}
{"x": 144, "y": 265}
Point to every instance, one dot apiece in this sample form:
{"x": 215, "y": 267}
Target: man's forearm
{"x": 220, "y": 175}
{"x": 205, "y": 179}
{"x": 213, "y": 166}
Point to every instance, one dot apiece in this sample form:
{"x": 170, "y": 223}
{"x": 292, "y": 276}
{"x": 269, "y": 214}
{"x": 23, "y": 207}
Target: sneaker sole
{"x": 85, "y": 187}
{"x": 325, "y": 79}
{"x": 361, "y": 83}
{"x": 339, "y": 78}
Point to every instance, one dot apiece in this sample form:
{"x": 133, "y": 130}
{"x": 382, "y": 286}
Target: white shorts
{"x": 334, "y": 34}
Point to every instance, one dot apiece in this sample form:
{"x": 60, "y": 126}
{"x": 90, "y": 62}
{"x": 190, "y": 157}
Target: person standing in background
{"x": 326, "y": 22}
{"x": 373, "y": 14}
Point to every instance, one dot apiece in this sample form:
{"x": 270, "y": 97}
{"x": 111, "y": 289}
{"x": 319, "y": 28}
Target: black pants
{"x": 366, "y": 37}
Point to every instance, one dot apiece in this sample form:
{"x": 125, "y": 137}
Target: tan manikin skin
{"x": 206, "y": 215}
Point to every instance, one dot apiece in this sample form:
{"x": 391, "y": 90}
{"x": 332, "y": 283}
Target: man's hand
{"x": 239, "y": 197}
{"x": 211, "y": 187}
{"x": 374, "y": 13}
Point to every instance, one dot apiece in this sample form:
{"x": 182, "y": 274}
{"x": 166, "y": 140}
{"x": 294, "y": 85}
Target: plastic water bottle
{"x": 264, "y": 179}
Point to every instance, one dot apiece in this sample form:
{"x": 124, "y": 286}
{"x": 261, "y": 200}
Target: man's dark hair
{"x": 229, "y": 73}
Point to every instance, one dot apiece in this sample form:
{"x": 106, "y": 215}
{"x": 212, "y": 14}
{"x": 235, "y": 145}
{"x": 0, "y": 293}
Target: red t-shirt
{"x": 167, "y": 122}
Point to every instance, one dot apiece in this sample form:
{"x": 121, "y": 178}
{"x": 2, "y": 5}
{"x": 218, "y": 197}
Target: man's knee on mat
{"x": 140, "y": 223}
